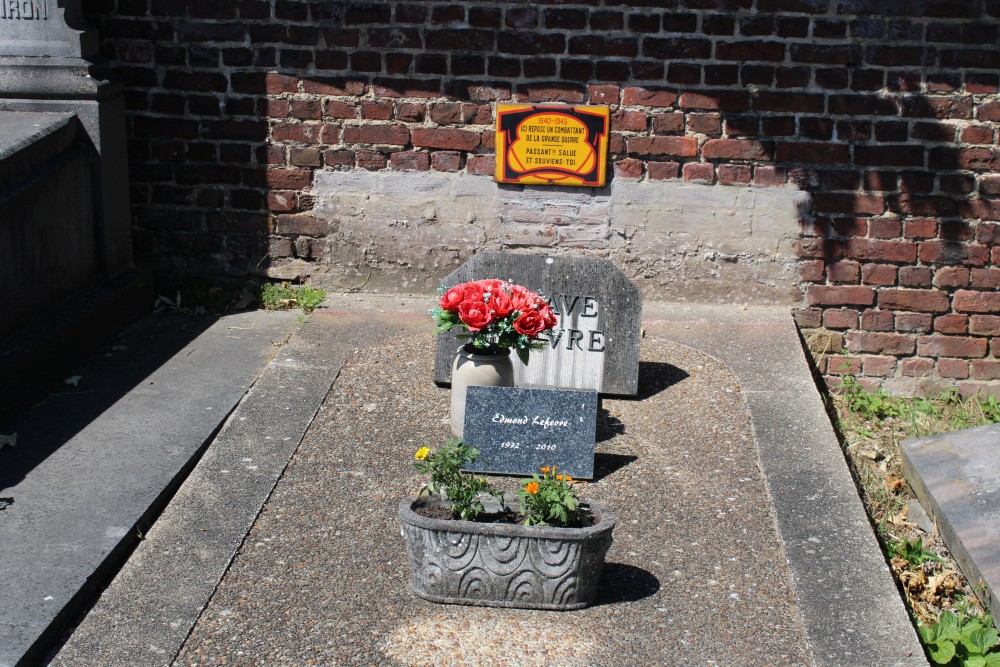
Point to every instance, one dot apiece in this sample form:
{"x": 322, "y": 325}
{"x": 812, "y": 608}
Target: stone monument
{"x": 594, "y": 347}
{"x": 49, "y": 62}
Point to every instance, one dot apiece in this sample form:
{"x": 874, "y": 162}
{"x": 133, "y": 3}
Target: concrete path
{"x": 95, "y": 462}
{"x": 740, "y": 539}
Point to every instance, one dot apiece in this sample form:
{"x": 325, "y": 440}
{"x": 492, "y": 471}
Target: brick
{"x": 709, "y": 124}
{"x": 734, "y": 174}
{"x": 737, "y": 149}
{"x": 301, "y": 224}
{"x": 813, "y": 152}
{"x": 721, "y": 100}
{"x": 603, "y": 94}
{"x": 916, "y": 367}
{"x": 878, "y": 366}
{"x": 648, "y": 97}
{"x": 989, "y": 111}
{"x": 289, "y": 179}
{"x": 878, "y": 320}
{"x": 410, "y": 161}
{"x": 483, "y": 165}
{"x": 837, "y": 295}
{"x": 769, "y": 176}
{"x": 885, "y": 251}
{"x": 699, "y": 172}
{"x": 450, "y": 139}
{"x": 807, "y": 318}
{"x": 304, "y": 157}
{"x": 628, "y": 168}
{"x": 844, "y": 271}
{"x": 672, "y": 48}
{"x": 811, "y": 270}
{"x": 989, "y": 184}
{"x": 913, "y": 322}
{"x": 393, "y": 135}
{"x": 628, "y": 121}
{"x": 371, "y": 160}
{"x": 925, "y": 301}
{"x": 672, "y": 146}
{"x": 880, "y": 343}
{"x": 951, "y": 324}
{"x": 920, "y": 228}
{"x": 952, "y": 276}
{"x": 338, "y": 158}
{"x": 986, "y": 369}
{"x": 446, "y": 160}
{"x": 878, "y": 274}
{"x": 985, "y": 279}
{"x": 915, "y": 276}
{"x": 951, "y": 252}
{"x": 281, "y": 201}
{"x": 659, "y": 171}
{"x": 842, "y": 365}
{"x": 840, "y": 319}
{"x": 278, "y": 247}
{"x": 967, "y": 301}
{"x": 951, "y": 346}
{"x": 953, "y": 368}
{"x": 668, "y": 123}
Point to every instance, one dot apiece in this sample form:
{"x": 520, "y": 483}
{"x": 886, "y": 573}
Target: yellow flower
{"x": 532, "y": 487}
{"x": 422, "y": 453}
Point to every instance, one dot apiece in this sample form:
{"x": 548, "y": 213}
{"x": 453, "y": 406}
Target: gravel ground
{"x": 696, "y": 575}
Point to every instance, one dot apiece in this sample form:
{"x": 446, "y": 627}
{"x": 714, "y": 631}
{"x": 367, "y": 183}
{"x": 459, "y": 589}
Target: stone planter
{"x": 505, "y": 565}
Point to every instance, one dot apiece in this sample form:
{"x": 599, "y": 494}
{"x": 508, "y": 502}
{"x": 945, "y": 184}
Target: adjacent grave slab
{"x": 518, "y": 430}
{"x": 599, "y": 311}
{"x": 956, "y": 476}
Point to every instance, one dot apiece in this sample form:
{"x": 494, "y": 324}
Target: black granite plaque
{"x": 596, "y": 343}
{"x": 519, "y": 430}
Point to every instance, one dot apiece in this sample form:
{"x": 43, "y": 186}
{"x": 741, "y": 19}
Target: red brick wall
{"x": 885, "y": 111}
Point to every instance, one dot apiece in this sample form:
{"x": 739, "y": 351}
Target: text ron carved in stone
{"x": 24, "y": 10}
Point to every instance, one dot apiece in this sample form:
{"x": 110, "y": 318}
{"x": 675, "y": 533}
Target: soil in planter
{"x": 507, "y": 515}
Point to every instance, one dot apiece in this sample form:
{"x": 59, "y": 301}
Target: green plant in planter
{"x": 447, "y": 479}
{"x": 551, "y": 500}
{"x": 966, "y": 642}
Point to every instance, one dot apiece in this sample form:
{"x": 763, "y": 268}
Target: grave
{"x": 66, "y": 272}
{"x": 596, "y": 343}
{"x": 956, "y": 476}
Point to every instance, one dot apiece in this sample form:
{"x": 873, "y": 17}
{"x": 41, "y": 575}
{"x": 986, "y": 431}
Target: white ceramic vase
{"x": 476, "y": 367}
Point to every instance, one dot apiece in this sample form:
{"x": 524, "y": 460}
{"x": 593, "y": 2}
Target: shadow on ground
{"x": 100, "y": 383}
{"x": 655, "y": 376}
{"x": 625, "y": 583}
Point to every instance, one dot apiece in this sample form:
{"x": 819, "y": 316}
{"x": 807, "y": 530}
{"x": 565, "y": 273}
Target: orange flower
{"x": 559, "y": 477}
{"x": 546, "y": 470}
{"x": 532, "y": 487}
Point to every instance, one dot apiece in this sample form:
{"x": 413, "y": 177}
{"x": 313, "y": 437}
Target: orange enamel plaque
{"x": 552, "y": 145}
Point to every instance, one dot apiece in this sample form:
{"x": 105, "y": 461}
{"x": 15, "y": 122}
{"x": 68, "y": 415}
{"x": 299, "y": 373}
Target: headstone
{"x": 595, "y": 345}
{"x": 519, "y": 430}
{"x": 50, "y": 62}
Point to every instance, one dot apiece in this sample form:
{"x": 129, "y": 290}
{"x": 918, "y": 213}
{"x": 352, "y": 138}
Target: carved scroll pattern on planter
{"x": 506, "y": 568}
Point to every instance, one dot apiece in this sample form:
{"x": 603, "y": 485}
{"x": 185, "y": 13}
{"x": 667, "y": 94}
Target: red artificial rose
{"x": 522, "y": 299}
{"x": 530, "y": 323}
{"x": 473, "y": 291}
{"x": 491, "y": 285}
{"x": 500, "y": 304}
{"x": 548, "y": 316}
{"x": 451, "y": 299}
{"x": 475, "y": 315}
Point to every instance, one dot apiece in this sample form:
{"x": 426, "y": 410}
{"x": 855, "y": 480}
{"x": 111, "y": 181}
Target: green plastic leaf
{"x": 522, "y": 354}
{"x": 941, "y": 652}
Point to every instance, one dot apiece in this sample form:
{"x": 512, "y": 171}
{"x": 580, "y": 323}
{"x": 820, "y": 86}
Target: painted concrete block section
{"x": 400, "y": 231}
{"x": 956, "y": 476}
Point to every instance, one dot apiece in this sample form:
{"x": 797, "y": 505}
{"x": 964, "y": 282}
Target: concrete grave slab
{"x": 956, "y": 476}
{"x": 596, "y": 344}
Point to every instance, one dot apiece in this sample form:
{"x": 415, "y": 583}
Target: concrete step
{"x": 956, "y": 477}
{"x": 95, "y": 462}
